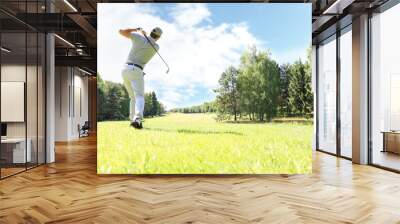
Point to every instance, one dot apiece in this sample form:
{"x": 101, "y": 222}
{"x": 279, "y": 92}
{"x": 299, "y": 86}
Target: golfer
{"x": 143, "y": 49}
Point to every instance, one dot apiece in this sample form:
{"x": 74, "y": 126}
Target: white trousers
{"x": 134, "y": 84}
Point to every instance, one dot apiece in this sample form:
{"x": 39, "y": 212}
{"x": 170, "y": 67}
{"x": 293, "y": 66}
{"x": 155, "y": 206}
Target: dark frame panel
{"x": 340, "y": 26}
{"x": 316, "y": 96}
{"x": 338, "y": 74}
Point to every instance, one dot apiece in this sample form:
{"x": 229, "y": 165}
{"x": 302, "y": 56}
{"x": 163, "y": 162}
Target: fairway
{"x": 196, "y": 144}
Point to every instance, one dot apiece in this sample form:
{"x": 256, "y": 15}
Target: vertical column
{"x": 50, "y": 92}
{"x": 360, "y": 89}
{"x": 314, "y": 90}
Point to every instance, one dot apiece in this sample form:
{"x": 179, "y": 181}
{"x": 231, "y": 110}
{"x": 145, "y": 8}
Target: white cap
{"x": 157, "y": 31}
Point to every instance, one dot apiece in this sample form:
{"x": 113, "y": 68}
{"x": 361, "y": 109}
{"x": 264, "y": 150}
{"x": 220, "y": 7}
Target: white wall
{"x": 33, "y": 126}
{"x": 62, "y": 82}
{"x": 80, "y": 94}
{"x": 71, "y": 87}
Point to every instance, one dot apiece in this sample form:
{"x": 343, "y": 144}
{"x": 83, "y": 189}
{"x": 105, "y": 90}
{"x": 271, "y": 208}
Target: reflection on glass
{"x": 385, "y": 95}
{"x": 346, "y": 93}
{"x": 327, "y": 95}
{"x": 22, "y": 91}
{"x": 395, "y": 102}
{"x": 14, "y": 153}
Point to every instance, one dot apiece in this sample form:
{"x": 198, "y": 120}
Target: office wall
{"x": 17, "y": 73}
{"x": 62, "y": 85}
{"x": 71, "y": 102}
{"x": 80, "y": 102}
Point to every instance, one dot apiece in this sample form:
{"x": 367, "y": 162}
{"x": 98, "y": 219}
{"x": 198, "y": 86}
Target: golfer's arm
{"x": 127, "y": 32}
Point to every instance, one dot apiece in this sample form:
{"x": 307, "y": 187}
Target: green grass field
{"x": 197, "y": 144}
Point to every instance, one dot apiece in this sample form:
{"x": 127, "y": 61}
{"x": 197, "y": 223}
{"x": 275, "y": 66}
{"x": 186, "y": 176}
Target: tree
{"x": 148, "y": 105}
{"x": 125, "y": 102}
{"x": 258, "y": 85}
{"x": 300, "y": 92}
{"x": 284, "y": 108}
{"x": 113, "y": 107}
{"x": 101, "y": 98}
{"x": 161, "y": 109}
{"x": 227, "y": 99}
{"x": 155, "y": 105}
{"x": 269, "y": 70}
{"x": 113, "y": 102}
{"x": 247, "y": 83}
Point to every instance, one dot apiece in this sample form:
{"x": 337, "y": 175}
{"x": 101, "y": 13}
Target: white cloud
{"x": 189, "y": 15}
{"x": 196, "y": 54}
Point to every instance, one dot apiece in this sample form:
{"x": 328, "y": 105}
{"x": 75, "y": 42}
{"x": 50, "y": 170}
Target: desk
{"x": 18, "y": 151}
{"x": 391, "y": 141}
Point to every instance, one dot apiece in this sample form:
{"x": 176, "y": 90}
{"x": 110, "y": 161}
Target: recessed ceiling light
{"x": 70, "y": 5}
{"x": 5, "y": 50}
{"x": 84, "y": 71}
{"x": 64, "y": 40}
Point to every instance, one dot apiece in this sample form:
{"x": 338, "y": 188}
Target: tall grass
{"x": 197, "y": 144}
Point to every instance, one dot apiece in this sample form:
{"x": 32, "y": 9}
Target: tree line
{"x": 113, "y": 102}
{"x": 261, "y": 89}
{"x": 207, "y": 107}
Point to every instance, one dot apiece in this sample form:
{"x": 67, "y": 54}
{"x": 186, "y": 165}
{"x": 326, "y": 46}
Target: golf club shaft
{"x": 156, "y": 51}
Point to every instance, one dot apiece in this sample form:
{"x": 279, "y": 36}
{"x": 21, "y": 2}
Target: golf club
{"x": 155, "y": 50}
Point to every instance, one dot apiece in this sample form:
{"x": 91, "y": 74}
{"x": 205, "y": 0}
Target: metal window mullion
{"x": 338, "y": 81}
{"x": 26, "y": 86}
{"x": 45, "y": 94}
{"x": 0, "y": 95}
{"x": 317, "y": 96}
{"x": 369, "y": 89}
{"x": 37, "y": 91}
{"x": 73, "y": 92}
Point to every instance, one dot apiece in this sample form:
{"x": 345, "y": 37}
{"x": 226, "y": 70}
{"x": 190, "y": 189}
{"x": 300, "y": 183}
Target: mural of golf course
{"x": 178, "y": 143}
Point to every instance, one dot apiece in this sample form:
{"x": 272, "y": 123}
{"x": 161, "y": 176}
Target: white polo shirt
{"x": 141, "y": 50}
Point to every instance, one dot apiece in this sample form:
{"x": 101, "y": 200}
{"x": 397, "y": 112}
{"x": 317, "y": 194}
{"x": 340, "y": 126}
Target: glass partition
{"x": 327, "y": 95}
{"x": 14, "y": 153}
{"x": 385, "y": 89}
{"x": 346, "y": 92}
{"x": 22, "y": 101}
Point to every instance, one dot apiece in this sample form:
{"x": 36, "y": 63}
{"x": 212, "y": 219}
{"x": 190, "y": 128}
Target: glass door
{"x": 327, "y": 95}
{"x": 385, "y": 89}
{"x": 346, "y": 92}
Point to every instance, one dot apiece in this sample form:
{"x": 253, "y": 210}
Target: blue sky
{"x": 200, "y": 41}
{"x": 283, "y": 26}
